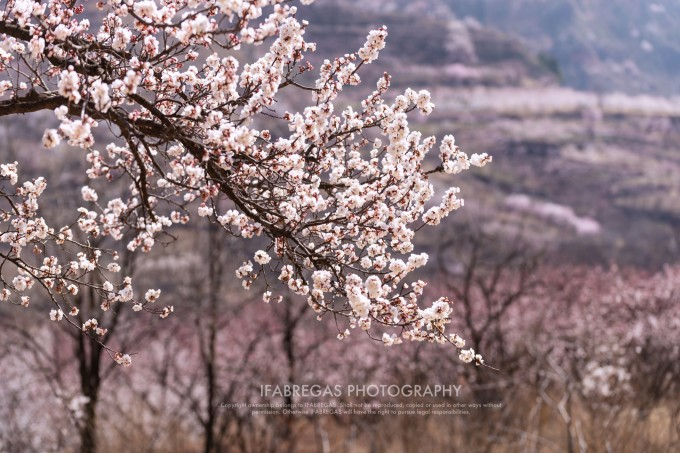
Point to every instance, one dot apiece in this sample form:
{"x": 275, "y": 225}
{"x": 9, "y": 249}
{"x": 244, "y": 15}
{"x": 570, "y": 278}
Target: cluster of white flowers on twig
{"x": 340, "y": 196}
{"x": 23, "y": 228}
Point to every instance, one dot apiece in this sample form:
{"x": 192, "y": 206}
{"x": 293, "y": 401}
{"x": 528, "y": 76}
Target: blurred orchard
{"x": 195, "y": 204}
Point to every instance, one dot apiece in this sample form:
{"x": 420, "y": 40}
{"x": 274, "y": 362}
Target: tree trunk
{"x": 88, "y": 431}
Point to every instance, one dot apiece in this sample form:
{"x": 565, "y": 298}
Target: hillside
{"x": 599, "y": 45}
{"x": 602, "y": 45}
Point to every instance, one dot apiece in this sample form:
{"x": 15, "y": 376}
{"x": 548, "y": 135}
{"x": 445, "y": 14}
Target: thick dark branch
{"x": 15, "y": 31}
{"x": 32, "y": 102}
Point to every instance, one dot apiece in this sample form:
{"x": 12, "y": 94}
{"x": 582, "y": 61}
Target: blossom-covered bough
{"x": 340, "y": 195}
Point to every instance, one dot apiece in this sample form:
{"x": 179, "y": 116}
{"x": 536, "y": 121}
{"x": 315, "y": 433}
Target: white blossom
{"x": 69, "y": 85}
{"x": 56, "y": 314}
{"x": 262, "y": 257}
{"x": 50, "y": 138}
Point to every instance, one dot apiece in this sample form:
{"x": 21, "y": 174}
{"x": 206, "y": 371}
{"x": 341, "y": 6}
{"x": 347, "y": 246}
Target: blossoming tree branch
{"x": 339, "y": 196}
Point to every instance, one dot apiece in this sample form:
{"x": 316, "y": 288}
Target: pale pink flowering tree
{"x": 339, "y": 196}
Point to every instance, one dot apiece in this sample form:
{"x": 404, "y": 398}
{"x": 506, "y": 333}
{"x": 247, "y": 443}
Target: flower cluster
{"x": 23, "y": 228}
{"x": 341, "y": 194}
